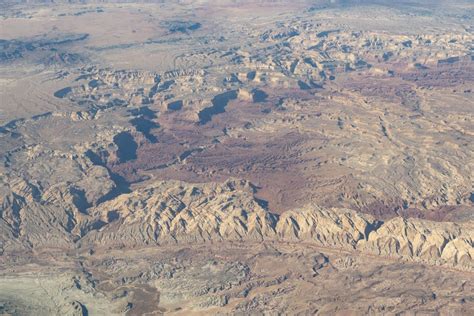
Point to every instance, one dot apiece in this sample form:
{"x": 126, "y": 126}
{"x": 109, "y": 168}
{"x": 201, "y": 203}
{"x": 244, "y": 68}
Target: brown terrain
{"x": 237, "y": 157}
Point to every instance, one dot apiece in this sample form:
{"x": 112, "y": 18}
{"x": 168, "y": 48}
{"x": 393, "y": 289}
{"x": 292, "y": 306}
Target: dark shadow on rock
{"x": 94, "y": 158}
{"x": 121, "y": 185}
{"x": 219, "y": 102}
{"x": 63, "y": 92}
{"x": 259, "y": 96}
{"x": 303, "y": 85}
{"x": 143, "y": 111}
{"x": 251, "y": 75}
{"x": 372, "y": 227}
{"x": 175, "y": 106}
{"x": 188, "y": 153}
{"x": 94, "y": 83}
{"x": 145, "y": 126}
{"x": 127, "y": 147}
{"x": 98, "y": 225}
{"x": 112, "y": 216}
{"x": 262, "y": 203}
{"x": 160, "y": 87}
{"x": 79, "y": 199}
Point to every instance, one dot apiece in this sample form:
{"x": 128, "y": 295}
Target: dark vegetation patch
{"x": 182, "y": 26}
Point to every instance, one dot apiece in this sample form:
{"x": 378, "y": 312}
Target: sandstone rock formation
{"x": 236, "y": 157}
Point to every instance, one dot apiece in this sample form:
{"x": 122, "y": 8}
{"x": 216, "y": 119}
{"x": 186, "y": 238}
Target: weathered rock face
{"x": 340, "y": 228}
{"x": 236, "y": 157}
{"x": 173, "y": 212}
{"x": 177, "y": 212}
{"x": 183, "y": 213}
{"x": 447, "y": 244}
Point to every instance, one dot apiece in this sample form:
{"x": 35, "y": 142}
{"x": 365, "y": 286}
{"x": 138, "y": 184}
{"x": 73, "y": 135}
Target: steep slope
{"x": 173, "y": 212}
{"x": 176, "y": 212}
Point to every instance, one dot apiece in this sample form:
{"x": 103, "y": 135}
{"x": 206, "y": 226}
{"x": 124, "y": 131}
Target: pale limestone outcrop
{"x": 431, "y": 242}
{"x": 328, "y": 227}
{"x": 177, "y": 212}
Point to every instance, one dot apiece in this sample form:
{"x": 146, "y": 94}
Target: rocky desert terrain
{"x": 237, "y": 157}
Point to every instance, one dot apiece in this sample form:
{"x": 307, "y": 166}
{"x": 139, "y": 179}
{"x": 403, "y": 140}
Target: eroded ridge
{"x": 236, "y": 157}
{"x": 180, "y": 213}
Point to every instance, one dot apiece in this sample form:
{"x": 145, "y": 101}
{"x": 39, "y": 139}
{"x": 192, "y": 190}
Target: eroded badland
{"x": 214, "y": 157}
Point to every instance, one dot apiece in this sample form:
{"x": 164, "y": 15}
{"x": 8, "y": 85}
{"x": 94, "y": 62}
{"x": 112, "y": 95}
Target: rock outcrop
{"x": 176, "y": 212}
{"x": 445, "y": 243}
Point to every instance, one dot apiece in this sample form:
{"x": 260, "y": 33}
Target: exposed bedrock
{"x": 168, "y": 212}
{"x": 176, "y": 212}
